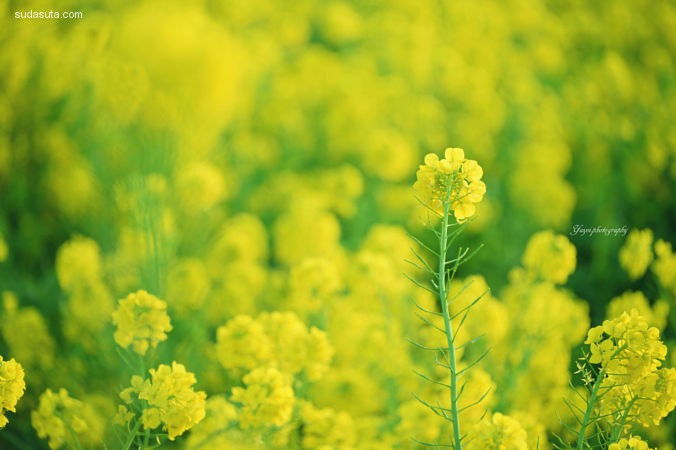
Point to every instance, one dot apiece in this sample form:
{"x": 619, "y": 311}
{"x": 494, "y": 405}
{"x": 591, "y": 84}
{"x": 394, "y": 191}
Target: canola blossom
{"x": 339, "y": 225}
{"x": 452, "y": 182}
{"x": 267, "y": 399}
{"x": 633, "y": 443}
{"x": 167, "y": 400}
{"x": 12, "y": 387}
{"x": 633, "y": 385}
{"x": 142, "y": 322}
{"x": 64, "y": 421}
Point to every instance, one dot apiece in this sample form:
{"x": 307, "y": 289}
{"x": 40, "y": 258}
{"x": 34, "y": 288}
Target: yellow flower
{"x": 500, "y": 432}
{"x": 78, "y": 263}
{"x": 142, "y": 321}
{"x": 220, "y": 415}
{"x": 56, "y": 415}
{"x": 453, "y": 184}
{"x": 236, "y": 341}
{"x": 187, "y": 286}
{"x": 636, "y": 254}
{"x": 550, "y": 257}
{"x": 326, "y": 429}
{"x": 664, "y": 266}
{"x": 25, "y": 332}
{"x": 200, "y": 186}
{"x": 169, "y": 400}
{"x": 633, "y": 443}
{"x": 313, "y": 283}
{"x": 656, "y": 316}
{"x": 12, "y": 387}
{"x": 631, "y": 353}
{"x": 305, "y": 231}
{"x": 267, "y": 400}
{"x": 281, "y": 340}
{"x": 296, "y": 348}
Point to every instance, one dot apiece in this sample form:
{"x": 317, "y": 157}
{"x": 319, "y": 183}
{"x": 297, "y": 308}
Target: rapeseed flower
{"x": 281, "y": 341}
{"x": 636, "y": 253}
{"x": 655, "y": 315}
{"x": 235, "y": 340}
{"x": 550, "y": 257}
{"x": 56, "y": 415}
{"x": 142, "y": 322}
{"x": 324, "y": 428}
{"x": 453, "y": 182}
{"x": 633, "y": 443}
{"x": 267, "y": 400}
{"x": 499, "y": 432}
{"x": 12, "y": 387}
{"x": 26, "y": 333}
{"x": 78, "y": 263}
{"x": 166, "y": 399}
{"x": 633, "y": 385}
{"x": 664, "y": 266}
{"x": 220, "y": 415}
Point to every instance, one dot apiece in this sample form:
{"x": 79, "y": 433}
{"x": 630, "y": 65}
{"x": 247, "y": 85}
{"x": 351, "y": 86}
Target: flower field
{"x": 338, "y": 225}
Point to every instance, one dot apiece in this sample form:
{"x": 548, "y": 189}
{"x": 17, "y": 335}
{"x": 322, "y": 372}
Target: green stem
{"x": 71, "y": 431}
{"x": 146, "y": 438}
{"x": 441, "y": 276}
{"x": 590, "y": 408}
{"x": 132, "y": 436}
{"x": 621, "y": 422}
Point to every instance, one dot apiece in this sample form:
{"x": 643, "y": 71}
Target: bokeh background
{"x": 294, "y": 129}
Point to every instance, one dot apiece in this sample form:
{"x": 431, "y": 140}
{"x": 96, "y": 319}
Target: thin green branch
{"x": 431, "y": 380}
{"x": 476, "y": 402}
{"x": 424, "y": 347}
{"x": 475, "y": 362}
{"x": 429, "y": 322}
{"x": 428, "y": 311}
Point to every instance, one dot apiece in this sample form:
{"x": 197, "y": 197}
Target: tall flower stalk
{"x": 448, "y": 189}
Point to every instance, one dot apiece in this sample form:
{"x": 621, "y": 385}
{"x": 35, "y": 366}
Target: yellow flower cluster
{"x": 235, "y": 340}
{"x": 292, "y": 244}
{"x": 656, "y": 315}
{"x": 56, "y": 415}
{"x": 632, "y": 443}
{"x": 168, "y": 400}
{"x": 626, "y": 346}
{"x": 12, "y": 387}
{"x": 452, "y": 183}
{"x": 280, "y": 340}
{"x": 314, "y": 283}
{"x": 78, "y": 262}
{"x": 550, "y": 257}
{"x": 142, "y": 321}
{"x": 500, "y": 432}
{"x": 325, "y": 429}
{"x": 79, "y": 269}
{"x": 26, "y": 333}
{"x": 530, "y": 348}
{"x": 220, "y": 415}
{"x": 636, "y": 253}
{"x": 267, "y": 399}
{"x": 664, "y": 266}
{"x": 187, "y": 286}
{"x": 630, "y": 354}
{"x": 200, "y": 186}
